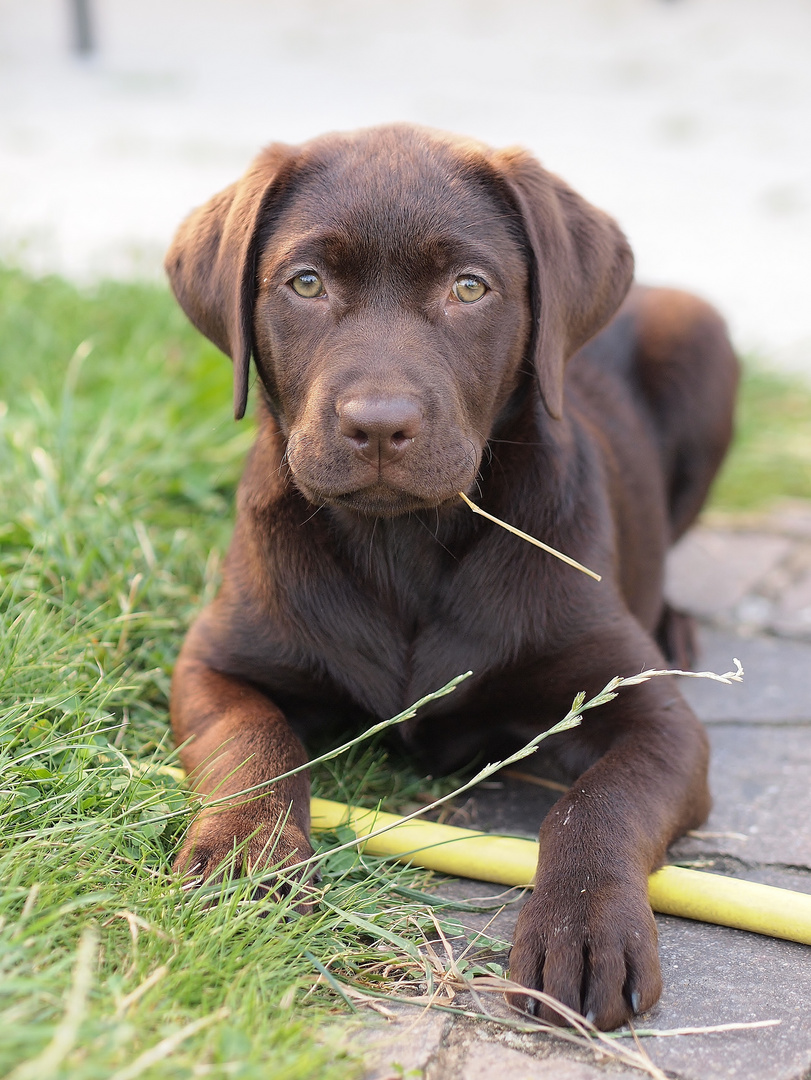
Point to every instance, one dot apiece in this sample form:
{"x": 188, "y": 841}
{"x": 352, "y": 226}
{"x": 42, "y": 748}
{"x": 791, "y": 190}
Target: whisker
{"x": 371, "y": 544}
{"x": 434, "y": 535}
{"x": 516, "y": 442}
{"x": 312, "y": 515}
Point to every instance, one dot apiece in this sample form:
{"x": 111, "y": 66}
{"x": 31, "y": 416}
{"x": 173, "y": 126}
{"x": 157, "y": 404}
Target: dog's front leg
{"x": 587, "y": 935}
{"x": 234, "y": 741}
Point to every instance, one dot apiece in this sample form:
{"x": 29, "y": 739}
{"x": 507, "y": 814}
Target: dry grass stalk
{"x": 528, "y": 538}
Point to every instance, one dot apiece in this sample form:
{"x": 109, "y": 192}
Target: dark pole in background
{"x": 82, "y": 27}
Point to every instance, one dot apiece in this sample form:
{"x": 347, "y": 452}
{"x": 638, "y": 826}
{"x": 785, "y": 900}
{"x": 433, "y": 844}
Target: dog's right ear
{"x": 212, "y": 260}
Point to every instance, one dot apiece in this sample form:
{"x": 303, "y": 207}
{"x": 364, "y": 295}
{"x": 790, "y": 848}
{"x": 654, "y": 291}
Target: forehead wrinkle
{"x": 433, "y": 256}
{"x": 374, "y": 241}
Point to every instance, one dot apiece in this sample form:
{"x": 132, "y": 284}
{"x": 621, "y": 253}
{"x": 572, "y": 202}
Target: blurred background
{"x": 689, "y": 120}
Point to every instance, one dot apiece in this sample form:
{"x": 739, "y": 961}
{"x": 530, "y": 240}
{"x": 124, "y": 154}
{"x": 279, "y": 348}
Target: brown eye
{"x": 468, "y": 288}
{"x": 308, "y": 284}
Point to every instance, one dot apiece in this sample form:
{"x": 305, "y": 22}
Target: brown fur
{"x": 357, "y": 581}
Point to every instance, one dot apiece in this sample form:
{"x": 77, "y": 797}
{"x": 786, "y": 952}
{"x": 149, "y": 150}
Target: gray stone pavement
{"x": 749, "y": 583}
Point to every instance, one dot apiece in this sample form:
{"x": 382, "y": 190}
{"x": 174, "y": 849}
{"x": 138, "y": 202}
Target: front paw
{"x": 593, "y": 950}
{"x": 227, "y": 843}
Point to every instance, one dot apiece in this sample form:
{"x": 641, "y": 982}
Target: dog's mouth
{"x": 382, "y": 500}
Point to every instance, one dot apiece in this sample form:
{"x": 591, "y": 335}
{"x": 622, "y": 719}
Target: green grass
{"x": 771, "y": 454}
{"x": 118, "y": 463}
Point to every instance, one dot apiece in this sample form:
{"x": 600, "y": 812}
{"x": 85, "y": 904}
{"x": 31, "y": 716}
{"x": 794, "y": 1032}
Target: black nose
{"x": 380, "y": 429}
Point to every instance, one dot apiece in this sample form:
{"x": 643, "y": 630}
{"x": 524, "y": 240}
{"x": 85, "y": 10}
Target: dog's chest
{"x": 408, "y": 615}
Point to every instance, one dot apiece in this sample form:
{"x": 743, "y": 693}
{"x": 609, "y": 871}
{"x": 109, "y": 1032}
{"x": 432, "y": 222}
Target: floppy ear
{"x": 581, "y": 266}
{"x": 212, "y": 261}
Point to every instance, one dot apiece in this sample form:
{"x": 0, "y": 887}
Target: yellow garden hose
{"x": 506, "y": 860}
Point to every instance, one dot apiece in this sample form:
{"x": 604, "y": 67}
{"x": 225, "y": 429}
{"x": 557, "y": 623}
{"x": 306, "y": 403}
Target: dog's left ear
{"x": 212, "y": 260}
{"x": 581, "y": 266}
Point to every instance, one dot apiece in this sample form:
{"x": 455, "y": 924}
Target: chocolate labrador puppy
{"x": 429, "y": 316}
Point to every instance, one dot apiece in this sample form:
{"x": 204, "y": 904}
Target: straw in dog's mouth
{"x": 528, "y": 538}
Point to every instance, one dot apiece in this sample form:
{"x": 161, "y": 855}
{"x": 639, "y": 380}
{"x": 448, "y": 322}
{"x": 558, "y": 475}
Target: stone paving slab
{"x": 711, "y": 572}
{"x": 499, "y": 1054}
{"x": 714, "y": 975}
{"x": 402, "y": 1044}
{"x": 488, "y": 1060}
{"x": 755, "y": 577}
{"x": 792, "y": 614}
{"x": 777, "y": 684}
{"x": 761, "y": 814}
{"x": 411, "y": 1044}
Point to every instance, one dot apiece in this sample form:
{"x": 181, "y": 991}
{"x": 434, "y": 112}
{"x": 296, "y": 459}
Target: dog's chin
{"x": 378, "y": 500}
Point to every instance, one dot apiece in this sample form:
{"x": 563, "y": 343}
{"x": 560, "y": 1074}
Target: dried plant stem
{"x": 528, "y": 538}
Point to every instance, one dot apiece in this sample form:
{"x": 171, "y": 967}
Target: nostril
{"x": 355, "y": 435}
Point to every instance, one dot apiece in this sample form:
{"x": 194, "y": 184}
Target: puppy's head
{"x": 390, "y": 284}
